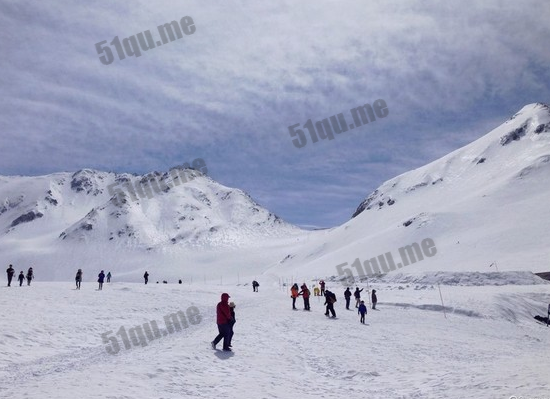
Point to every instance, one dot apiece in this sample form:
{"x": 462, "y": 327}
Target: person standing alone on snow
{"x": 100, "y": 279}
{"x": 146, "y": 277}
{"x": 21, "y": 278}
{"x": 78, "y": 278}
{"x": 357, "y": 295}
{"x": 255, "y": 286}
{"x": 362, "y": 311}
{"x": 294, "y": 292}
{"x": 223, "y": 319}
{"x": 305, "y": 294}
{"x": 347, "y": 295}
{"x": 30, "y": 275}
{"x": 374, "y": 299}
{"x": 10, "y": 271}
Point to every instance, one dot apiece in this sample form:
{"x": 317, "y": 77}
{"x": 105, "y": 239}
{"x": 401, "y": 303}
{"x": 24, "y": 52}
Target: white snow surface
{"x": 487, "y": 346}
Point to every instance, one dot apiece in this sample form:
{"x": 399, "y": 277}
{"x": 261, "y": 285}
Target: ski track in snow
{"x": 488, "y": 346}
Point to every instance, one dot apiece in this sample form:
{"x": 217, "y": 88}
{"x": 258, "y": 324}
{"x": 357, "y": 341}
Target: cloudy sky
{"x": 448, "y": 71}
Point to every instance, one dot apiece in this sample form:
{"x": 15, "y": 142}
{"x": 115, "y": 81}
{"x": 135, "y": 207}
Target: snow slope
{"x": 488, "y": 346}
{"x": 484, "y": 203}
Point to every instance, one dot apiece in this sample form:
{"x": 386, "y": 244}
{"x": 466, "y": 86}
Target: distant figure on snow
{"x": 330, "y": 299}
{"x": 374, "y": 299}
{"x": 255, "y": 286}
{"x": 109, "y": 277}
{"x": 146, "y": 277}
{"x": 347, "y": 295}
{"x": 30, "y": 276}
{"x": 316, "y": 291}
{"x": 294, "y": 292}
{"x": 78, "y": 278}
{"x": 21, "y": 278}
{"x": 180, "y": 282}
{"x": 322, "y": 284}
{"x": 100, "y": 279}
{"x": 223, "y": 319}
{"x": 362, "y": 311}
{"x": 10, "y": 272}
{"x": 305, "y": 294}
{"x": 357, "y": 295}
{"x": 232, "y": 322}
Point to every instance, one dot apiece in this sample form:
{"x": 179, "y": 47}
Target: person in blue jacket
{"x": 362, "y": 311}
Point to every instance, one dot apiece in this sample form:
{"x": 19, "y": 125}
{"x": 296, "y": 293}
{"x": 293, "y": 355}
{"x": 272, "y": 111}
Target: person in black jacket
{"x": 146, "y": 277}
{"x": 330, "y": 298}
{"x": 357, "y": 295}
{"x": 21, "y": 278}
{"x": 10, "y": 271}
{"x": 347, "y": 295}
{"x": 374, "y": 299}
{"x": 78, "y": 278}
{"x": 231, "y": 322}
{"x": 30, "y": 275}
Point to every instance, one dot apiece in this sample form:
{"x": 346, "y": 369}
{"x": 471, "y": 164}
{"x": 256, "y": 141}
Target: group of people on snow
{"x": 10, "y": 271}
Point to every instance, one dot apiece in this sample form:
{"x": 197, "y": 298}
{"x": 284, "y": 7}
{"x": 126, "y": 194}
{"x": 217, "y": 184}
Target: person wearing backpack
{"x": 305, "y": 294}
{"x": 362, "y": 311}
{"x": 330, "y": 299}
{"x": 78, "y": 278}
{"x": 347, "y": 295}
{"x": 357, "y": 295}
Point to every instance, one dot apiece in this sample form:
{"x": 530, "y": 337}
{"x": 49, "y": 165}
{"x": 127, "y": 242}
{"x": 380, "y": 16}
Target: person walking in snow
{"x": 109, "y": 277}
{"x": 374, "y": 299}
{"x": 21, "y": 278}
{"x": 30, "y": 275}
{"x": 78, "y": 278}
{"x": 232, "y": 322}
{"x": 362, "y": 311}
{"x": 294, "y": 292}
{"x": 100, "y": 279}
{"x": 330, "y": 299}
{"x": 357, "y": 295}
{"x": 322, "y": 284}
{"x": 223, "y": 319}
{"x": 305, "y": 294}
{"x": 10, "y": 271}
{"x": 146, "y": 277}
{"x": 347, "y": 295}
{"x": 255, "y": 286}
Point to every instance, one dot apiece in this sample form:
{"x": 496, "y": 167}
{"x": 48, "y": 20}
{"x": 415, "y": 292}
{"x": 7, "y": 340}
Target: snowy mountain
{"x": 483, "y": 204}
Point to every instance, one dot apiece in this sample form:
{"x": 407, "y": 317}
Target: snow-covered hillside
{"x": 482, "y": 204}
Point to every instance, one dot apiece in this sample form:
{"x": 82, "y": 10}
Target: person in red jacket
{"x": 305, "y": 294}
{"x": 223, "y": 319}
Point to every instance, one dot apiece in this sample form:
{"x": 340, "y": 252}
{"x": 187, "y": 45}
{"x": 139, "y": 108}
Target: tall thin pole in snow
{"x": 442, "y": 304}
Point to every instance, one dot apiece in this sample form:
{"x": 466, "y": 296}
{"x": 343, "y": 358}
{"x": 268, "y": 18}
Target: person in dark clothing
{"x": 347, "y": 295}
{"x": 100, "y": 279}
{"x": 10, "y": 272}
{"x": 374, "y": 299}
{"x": 255, "y": 286}
{"x": 330, "y": 299}
{"x": 357, "y": 295}
{"x": 223, "y": 319}
{"x": 30, "y": 275}
{"x": 146, "y": 277}
{"x": 180, "y": 282}
{"x": 232, "y": 322}
{"x": 294, "y": 292}
{"x": 305, "y": 294}
{"x": 21, "y": 278}
{"x": 322, "y": 284}
{"x": 109, "y": 277}
{"x": 78, "y": 278}
{"x": 362, "y": 311}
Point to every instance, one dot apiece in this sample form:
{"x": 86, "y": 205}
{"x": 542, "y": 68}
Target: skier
{"x": 21, "y": 278}
{"x": 146, "y": 277}
{"x": 232, "y": 322}
{"x": 100, "y": 279}
{"x": 347, "y": 295}
{"x": 109, "y": 277}
{"x": 357, "y": 295}
{"x": 322, "y": 284}
{"x": 362, "y": 311}
{"x": 330, "y": 299}
{"x": 30, "y": 275}
{"x": 294, "y": 292}
{"x": 223, "y": 319}
{"x": 305, "y": 294}
{"x": 374, "y": 299}
{"x": 78, "y": 278}
{"x": 255, "y": 286}
{"x": 10, "y": 271}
